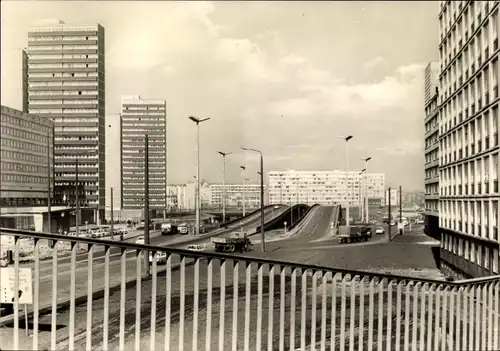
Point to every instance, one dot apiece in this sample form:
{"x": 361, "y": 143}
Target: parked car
{"x": 380, "y": 231}
{"x": 140, "y": 240}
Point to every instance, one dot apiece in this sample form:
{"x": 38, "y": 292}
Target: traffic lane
{"x": 155, "y": 239}
{"x": 175, "y": 241}
{"x": 317, "y": 226}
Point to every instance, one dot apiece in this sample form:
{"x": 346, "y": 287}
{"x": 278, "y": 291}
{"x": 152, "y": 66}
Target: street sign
{"x": 7, "y": 282}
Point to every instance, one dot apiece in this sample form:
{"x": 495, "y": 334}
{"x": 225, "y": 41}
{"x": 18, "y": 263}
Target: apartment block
{"x": 27, "y": 159}
{"x": 66, "y": 82}
{"x": 324, "y": 187}
{"x": 141, "y": 117}
{"x": 236, "y": 194}
{"x": 468, "y": 137}
{"x": 431, "y": 152}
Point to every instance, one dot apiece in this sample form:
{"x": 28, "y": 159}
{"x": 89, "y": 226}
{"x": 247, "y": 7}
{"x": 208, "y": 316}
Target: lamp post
{"x": 281, "y": 188}
{"x": 224, "y": 154}
{"x": 77, "y": 201}
{"x": 243, "y": 169}
{"x": 49, "y": 181}
{"x": 263, "y": 245}
{"x": 197, "y": 195}
{"x": 366, "y": 202}
{"x": 146, "y": 200}
{"x": 346, "y": 139}
{"x": 361, "y": 189}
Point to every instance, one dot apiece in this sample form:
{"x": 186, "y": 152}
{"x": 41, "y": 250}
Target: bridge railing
{"x": 98, "y": 297}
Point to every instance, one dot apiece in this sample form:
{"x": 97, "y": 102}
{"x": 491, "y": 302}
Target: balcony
{"x": 495, "y": 91}
{"x": 478, "y": 188}
{"x": 208, "y": 301}
{"x": 495, "y": 186}
{"x": 495, "y": 44}
{"x": 487, "y": 98}
{"x": 486, "y": 188}
{"x": 486, "y": 142}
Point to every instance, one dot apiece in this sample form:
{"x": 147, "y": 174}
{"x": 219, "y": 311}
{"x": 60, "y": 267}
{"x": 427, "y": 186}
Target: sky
{"x": 286, "y": 78}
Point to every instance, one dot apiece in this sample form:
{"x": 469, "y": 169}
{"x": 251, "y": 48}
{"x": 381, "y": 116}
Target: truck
{"x": 168, "y": 228}
{"x": 355, "y": 234}
{"x": 235, "y": 243}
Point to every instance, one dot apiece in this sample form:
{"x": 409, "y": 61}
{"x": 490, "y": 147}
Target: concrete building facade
{"x": 138, "y": 118}
{"x": 27, "y": 159}
{"x": 431, "y": 153}
{"x": 468, "y": 129}
{"x": 323, "y": 187}
{"x": 66, "y": 82}
{"x": 235, "y": 194}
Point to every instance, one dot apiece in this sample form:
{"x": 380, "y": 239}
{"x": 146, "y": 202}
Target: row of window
{"x": 63, "y": 65}
{"x": 23, "y": 145}
{"x": 483, "y": 169}
{"x": 62, "y": 37}
{"x": 470, "y": 216}
{"x": 48, "y": 110}
{"x": 58, "y": 56}
{"x": 62, "y": 74}
{"x": 471, "y": 251}
{"x": 63, "y": 102}
{"x": 61, "y": 47}
{"x": 18, "y": 178}
{"x": 30, "y": 125}
{"x": 63, "y": 92}
{"x": 23, "y": 167}
{"x": 62, "y": 84}
{"x": 26, "y": 135}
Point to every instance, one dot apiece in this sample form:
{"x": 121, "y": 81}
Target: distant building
{"x": 64, "y": 74}
{"x": 235, "y": 194}
{"x": 431, "y": 138}
{"x": 323, "y": 187}
{"x": 140, "y": 117}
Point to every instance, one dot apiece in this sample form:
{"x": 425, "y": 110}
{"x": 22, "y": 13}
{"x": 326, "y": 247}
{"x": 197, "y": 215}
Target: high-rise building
{"x": 468, "y": 128}
{"x": 27, "y": 157}
{"x": 65, "y": 82}
{"x": 323, "y": 187}
{"x": 141, "y": 117}
{"x": 431, "y": 137}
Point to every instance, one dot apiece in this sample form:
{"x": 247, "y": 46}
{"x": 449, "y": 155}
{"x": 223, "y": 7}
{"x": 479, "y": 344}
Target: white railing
{"x": 93, "y": 294}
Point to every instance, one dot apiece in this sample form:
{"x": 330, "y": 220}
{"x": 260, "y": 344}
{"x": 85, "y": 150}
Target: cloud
{"x": 373, "y": 63}
{"x": 264, "y": 84}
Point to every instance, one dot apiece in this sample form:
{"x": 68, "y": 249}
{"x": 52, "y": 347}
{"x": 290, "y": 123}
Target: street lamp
{"x": 263, "y": 245}
{"x": 224, "y": 154}
{"x": 366, "y": 204}
{"x": 197, "y": 196}
{"x": 346, "y": 139}
{"x": 281, "y": 188}
{"x": 243, "y": 169}
{"x": 361, "y": 212}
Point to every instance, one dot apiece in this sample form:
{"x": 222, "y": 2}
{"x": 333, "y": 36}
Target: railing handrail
{"x": 247, "y": 260}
